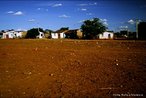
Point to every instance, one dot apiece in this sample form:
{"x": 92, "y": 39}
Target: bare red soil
{"x": 72, "y": 68}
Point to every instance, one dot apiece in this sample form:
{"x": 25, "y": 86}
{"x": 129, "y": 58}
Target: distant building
{"x": 106, "y": 35}
{"x": 59, "y": 34}
{"x": 11, "y": 34}
{"x": 124, "y": 33}
{"x": 48, "y": 33}
{"x": 18, "y": 34}
{"x": 8, "y": 34}
{"x": 41, "y": 35}
{"x": 142, "y": 30}
{"x": 24, "y": 33}
{"x": 74, "y": 34}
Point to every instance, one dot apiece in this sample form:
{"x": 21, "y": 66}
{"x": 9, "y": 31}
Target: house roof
{"x": 60, "y": 31}
{"x": 108, "y": 32}
{"x": 71, "y": 31}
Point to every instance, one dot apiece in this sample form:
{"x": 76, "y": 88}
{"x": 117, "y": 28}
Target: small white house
{"x": 8, "y": 34}
{"x": 12, "y": 34}
{"x": 18, "y": 34}
{"x": 41, "y": 35}
{"x": 58, "y": 34}
{"x": 106, "y": 35}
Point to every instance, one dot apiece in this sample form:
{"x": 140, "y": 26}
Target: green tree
{"x": 64, "y": 28}
{"x": 48, "y": 30}
{"x": 91, "y": 28}
{"x": 32, "y": 33}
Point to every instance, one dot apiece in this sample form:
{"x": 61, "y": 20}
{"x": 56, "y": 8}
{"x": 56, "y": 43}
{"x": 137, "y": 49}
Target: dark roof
{"x": 110, "y": 31}
{"x": 60, "y": 31}
{"x": 71, "y": 31}
{"x": 2, "y": 32}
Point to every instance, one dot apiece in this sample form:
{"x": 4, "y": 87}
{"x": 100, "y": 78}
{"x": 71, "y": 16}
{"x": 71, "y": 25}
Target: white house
{"x": 8, "y": 34}
{"x": 58, "y": 34}
{"x": 106, "y": 35}
{"x": 18, "y": 34}
{"x": 12, "y": 34}
{"x": 41, "y": 35}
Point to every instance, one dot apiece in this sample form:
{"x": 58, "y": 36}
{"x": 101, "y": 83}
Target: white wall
{"x": 54, "y": 35}
{"x": 12, "y": 34}
{"x": 106, "y": 35}
{"x": 9, "y": 34}
{"x": 41, "y": 35}
{"x": 18, "y": 34}
{"x": 4, "y": 35}
{"x": 62, "y": 35}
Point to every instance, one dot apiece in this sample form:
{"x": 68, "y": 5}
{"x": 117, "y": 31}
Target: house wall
{"x": 9, "y": 34}
{"x": 24, "y": 34}
{"x": 106, "y": 35}
{"x": 62, "y": 35}
{"x": 18, "y": 34}
{"x": 41, "y": 35}
{"x": 56, "y": 35}
{"x": 12, "y": 34}
{"x": 4, "y": 35}
{"x": 79, "y": 33}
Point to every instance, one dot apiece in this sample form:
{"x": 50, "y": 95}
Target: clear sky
{"x": 54, "y": 14}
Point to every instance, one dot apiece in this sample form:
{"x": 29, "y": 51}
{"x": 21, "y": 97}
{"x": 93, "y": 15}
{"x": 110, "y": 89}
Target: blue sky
{"x": 54, "y": 14}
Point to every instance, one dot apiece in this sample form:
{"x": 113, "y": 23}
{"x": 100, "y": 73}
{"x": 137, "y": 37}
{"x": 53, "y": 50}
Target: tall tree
{"x": 91, "y": 28}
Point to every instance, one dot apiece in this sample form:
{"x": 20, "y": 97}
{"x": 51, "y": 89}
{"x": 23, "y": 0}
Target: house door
{"x": 109, "y": 36}
{"x": 58, "y": 35}
{"x": 7, "y": 36}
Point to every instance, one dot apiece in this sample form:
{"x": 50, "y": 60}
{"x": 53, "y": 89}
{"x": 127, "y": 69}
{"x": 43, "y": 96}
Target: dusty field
{"x": 72, "y": 69}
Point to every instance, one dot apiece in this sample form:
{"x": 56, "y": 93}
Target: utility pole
{"x": 137, "y": 22}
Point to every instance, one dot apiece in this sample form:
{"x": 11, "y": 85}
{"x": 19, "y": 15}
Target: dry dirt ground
{"x": 72, "y": 68}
